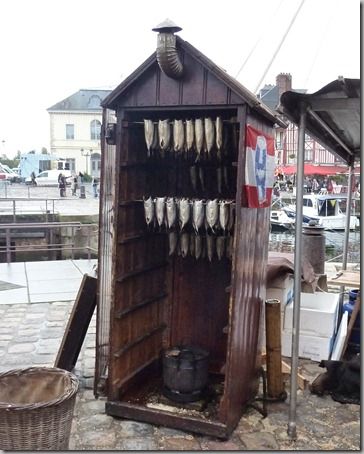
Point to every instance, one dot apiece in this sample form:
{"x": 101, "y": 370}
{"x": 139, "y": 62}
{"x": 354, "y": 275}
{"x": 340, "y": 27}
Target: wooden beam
{"x": 77, "y": 325}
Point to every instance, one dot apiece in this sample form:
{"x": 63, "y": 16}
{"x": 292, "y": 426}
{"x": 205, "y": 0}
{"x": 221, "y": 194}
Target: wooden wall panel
{"x": 216, "y": 91}
{"x": 193, "y": 82}
{"x": 145, "y": 91}
{"x": 169, "y": 90}
{"x": 200, "y": 305}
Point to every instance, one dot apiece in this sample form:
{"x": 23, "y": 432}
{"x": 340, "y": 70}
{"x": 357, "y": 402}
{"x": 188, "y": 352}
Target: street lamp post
{"x": 86, "y": 155}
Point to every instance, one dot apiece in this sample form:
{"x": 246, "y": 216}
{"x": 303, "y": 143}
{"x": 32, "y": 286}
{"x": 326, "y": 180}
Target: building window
{"x": 94, "y": 102}
{"x": 95, "y": 130}
{"x": 70, "y": 132}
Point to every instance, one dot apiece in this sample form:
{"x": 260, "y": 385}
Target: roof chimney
{"x": 284, "y": 83}
{"x": 167, "y": 54}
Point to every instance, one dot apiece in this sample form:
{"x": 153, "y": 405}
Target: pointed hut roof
{"x": 236, "y": 87}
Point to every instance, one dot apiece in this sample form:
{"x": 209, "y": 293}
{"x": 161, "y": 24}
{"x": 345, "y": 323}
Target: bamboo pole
{"x": 275, "y": 383}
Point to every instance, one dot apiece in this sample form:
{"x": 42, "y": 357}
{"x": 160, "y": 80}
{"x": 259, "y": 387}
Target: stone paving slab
{"x": 56, "y": 280}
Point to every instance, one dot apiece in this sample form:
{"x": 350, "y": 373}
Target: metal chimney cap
{"x": 167, "y": 26}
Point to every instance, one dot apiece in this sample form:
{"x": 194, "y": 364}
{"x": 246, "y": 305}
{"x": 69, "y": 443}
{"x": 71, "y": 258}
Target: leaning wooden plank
{"x": 353, "y": 318}
{"x": 78, "y": 324}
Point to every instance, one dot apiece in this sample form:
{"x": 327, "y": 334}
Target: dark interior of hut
{"x": 185, "y": 276}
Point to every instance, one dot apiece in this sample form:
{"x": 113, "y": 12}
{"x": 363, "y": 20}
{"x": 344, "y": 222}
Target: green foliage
{"x": 87, "y": 178}
{"x": 12, "y": 163}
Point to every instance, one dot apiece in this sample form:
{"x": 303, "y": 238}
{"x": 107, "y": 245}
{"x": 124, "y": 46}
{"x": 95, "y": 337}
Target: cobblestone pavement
{"x": 30, "y": 335}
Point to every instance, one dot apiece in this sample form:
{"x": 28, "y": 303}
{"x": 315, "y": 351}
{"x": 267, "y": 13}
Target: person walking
{"x": 74, "y": 186}
{"x": 62, "y": 185}
{"x": 32, "y": 176}
{"x": 95, "y": 182}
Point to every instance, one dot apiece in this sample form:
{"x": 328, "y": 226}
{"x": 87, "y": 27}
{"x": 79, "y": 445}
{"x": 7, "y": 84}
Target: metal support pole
{"x": 8, "y": 246}
{"x": 88, "y": 244}
{"x": 297, "y": 273}
{"x": 346, "y": 237}
{"x": 14, "y": 211}
{"x": 348, "y": 214}
{"x": 73, "y": 243}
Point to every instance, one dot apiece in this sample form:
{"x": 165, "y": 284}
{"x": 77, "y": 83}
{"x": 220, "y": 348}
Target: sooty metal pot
{"x": 185, "y": 369}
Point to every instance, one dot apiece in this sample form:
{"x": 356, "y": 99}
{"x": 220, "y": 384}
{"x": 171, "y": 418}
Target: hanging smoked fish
{"x": 210, "y": 243}
{"x": 185, "y": 242}
{"x": 198, "y": 210}
{"x": 160, "y": 207}
{"x": 219, "y": 136}
{"x": 149, "y": 210}
{"x": 220, "y": 247}
{"x": 184, "y": 208}
{"x": 190, "y": 135}
{"x": 199, "y": 136}
{"x": 172, "y": 241}
{"x": 198, "y": 246}
{"x": 164, "y": 133}
{"x": 224, "y": 211}
{"x": 178, "y": 136}
{"x": 171, "y": 209}
{"x": 209, "y": 134}
{"x": 193, "y": 177}
{"x": 148, "y": 134}
{"x": 212, "y": 213}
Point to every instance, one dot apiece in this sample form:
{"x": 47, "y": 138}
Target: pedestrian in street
{"x": 74, "y": 185}
{"x": 95, "y": 183}
{"x": 32, "y": 176}
{"x": 80, "y": 178}
{"x": 315, "y": 186}
{"x": 62, "y": 185}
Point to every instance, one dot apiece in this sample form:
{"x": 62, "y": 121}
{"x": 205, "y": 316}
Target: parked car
{"x": 4, "y": 176}
{"x": 50, "y": 178}
{"x": 11, "y": 174}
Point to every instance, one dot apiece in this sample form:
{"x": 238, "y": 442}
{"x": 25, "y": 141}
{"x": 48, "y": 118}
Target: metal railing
{"x": 9, "y": 231}
{"x": 14, "y": 207}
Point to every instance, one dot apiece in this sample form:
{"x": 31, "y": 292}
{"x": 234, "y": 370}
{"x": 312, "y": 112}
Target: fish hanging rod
{"x": 184, "y": 122}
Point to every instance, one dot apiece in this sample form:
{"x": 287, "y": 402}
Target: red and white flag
{"x": 259, "y": 169}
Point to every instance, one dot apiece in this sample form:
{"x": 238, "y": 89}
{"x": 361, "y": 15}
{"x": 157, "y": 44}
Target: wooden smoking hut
{"x": 187, "y": 164}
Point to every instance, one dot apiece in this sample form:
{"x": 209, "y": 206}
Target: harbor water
{"x": 334, "y": 241}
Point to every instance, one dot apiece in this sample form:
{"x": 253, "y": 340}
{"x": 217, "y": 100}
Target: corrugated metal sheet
{"x": 335, "y": 108}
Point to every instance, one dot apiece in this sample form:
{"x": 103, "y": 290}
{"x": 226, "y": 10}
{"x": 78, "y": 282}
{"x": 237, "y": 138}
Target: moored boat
{"x": 327, "y": 209}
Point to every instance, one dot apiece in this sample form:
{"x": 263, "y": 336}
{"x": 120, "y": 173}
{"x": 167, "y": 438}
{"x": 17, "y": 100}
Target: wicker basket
{"x": 36, "y": 408}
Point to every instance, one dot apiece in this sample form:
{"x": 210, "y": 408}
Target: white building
{"x": 75, "y": 127}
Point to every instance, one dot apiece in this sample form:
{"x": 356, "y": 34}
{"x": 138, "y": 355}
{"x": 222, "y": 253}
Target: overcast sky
{"x": 52, "y": 48}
